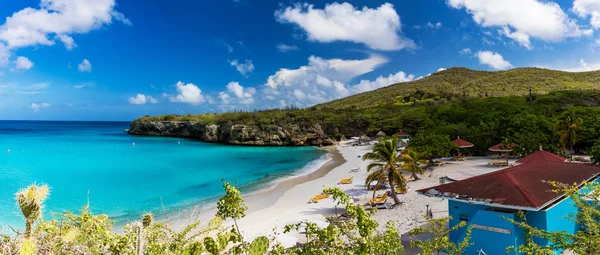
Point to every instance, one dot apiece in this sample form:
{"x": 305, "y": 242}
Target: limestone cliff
{"x": 289, "y": 135}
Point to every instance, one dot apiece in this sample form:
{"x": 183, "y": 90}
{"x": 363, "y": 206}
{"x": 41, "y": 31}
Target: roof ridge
{"x": 517, "y": 185}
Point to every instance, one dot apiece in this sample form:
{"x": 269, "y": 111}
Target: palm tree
{"x": 30, "y": 200}
{"x": 566, "y": 128}
{"x": 412, "y": 162}
{"x": 385, "y": 165}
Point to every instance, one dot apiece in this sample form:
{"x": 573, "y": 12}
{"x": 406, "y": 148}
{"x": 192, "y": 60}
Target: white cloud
{"x": 23, "y": 63}
{"x": 85, "y": 85}
{"x": 286, "y": 48}
{"x": 378, "y": 28}
{"x": 151, "y": 100}
{"x": 243, "y": 68}
{"x": 323, "y": 80}
{"x": 67, "y": 41}
{"x": 36, "y": 107}
{"x": 138, "y": 99}
{"x": 30, "y": 26}
{"x": 493, "y": 60}
{"x": 188, "y": 93}
{"x": 544, "y": 20}
{"x": 4, "y": 55}
{"x": 334, "y": 69}
{"x": 466, "y": 51}
{"x": 240, "y": 94}
{"x": 441, "y": 69}
{"x": 581, "y": 66}
{"x": 85, "y": 66}
{"x": 588, "y": 8}
{"x": 430, "y": 25}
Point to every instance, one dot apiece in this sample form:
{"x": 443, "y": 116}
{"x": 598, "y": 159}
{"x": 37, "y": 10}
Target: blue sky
{"x": 119, "y": 60}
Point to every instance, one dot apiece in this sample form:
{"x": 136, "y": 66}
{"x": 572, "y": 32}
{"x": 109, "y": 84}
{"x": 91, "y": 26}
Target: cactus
{"x": 259, "y": 246}
{"x": 138, "y": 231}
{"x": 30, "y": 200}
{"x": 147, "y": 220}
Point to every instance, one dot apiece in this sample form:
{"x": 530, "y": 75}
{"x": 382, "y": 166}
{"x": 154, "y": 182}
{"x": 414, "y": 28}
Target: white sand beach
{"x": 287, "y": 202}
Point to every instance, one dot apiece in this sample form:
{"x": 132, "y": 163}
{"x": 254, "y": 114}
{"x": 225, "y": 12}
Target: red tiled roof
{"x": 503, "y": 147}
{"x": 541, "y": 156}
{"x": 401, "y": 133}
{"x": 520, "y": 186}
{"x": 460, "y": 143}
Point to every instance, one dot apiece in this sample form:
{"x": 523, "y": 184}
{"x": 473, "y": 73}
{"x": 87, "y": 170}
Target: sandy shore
{"x": 287, "y": 202}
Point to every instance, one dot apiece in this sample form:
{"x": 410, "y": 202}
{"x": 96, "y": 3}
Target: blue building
{"x": 486, "y": 201}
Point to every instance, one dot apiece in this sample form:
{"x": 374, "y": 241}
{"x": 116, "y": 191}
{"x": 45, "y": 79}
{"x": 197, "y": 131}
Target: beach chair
{"x": 409, "y": 178}
{"x": 382, "y": 205}
{"x": 318, "y": 197}
{"x": 379, "y": 199}
{"x": 439, "y": 163}
{"x": 355, "y": 170}
{"x": 346, "y": 180}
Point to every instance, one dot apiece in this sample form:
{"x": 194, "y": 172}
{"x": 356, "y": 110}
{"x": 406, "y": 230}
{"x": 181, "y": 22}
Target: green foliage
{"x": 412, "y": 161}
{"x": 385, "y": 165}
{"x": 440, "y": 241}
{"x": 595, "y": 153}
{"x": 584, "y": 241}
{"x": 259, "y": 246}
{"x": 231, "y": 205}
{"x": 432, "y": 145}
{"x": 30, "y": 201}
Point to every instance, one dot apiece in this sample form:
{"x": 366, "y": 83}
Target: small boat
{"x": 126, "y": 130}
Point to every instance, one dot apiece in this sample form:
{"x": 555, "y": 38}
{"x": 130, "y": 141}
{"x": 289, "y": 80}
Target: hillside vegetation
{"x": 462, "y": 83}
{"x": 482, "y": 107}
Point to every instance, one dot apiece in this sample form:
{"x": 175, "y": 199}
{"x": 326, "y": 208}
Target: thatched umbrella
{"x": 380, "y": 134}
{"x": 504, "y": 147}
{"x": 460, "y": 143}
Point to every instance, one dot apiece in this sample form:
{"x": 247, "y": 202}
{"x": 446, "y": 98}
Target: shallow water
{"x": 96, "y": 162}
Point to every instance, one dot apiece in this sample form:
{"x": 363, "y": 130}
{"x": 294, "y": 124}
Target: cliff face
{"x": 290, "y": 135}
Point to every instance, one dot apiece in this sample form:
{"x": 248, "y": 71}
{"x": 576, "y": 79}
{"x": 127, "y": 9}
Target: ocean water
{"x": 95, "y": 163}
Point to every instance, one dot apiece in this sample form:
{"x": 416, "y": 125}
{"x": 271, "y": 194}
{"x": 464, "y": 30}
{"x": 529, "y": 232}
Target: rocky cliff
{"x": 290, "y": 135}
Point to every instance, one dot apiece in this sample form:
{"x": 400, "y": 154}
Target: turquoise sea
{"x": 96, "y": 162}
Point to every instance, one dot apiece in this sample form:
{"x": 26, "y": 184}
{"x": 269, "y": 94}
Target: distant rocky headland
{"x": 289, "y": 135}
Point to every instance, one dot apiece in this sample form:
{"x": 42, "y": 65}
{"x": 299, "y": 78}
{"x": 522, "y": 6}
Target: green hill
{"x": 462, "y": 83}
{"x": 479, "y": 106}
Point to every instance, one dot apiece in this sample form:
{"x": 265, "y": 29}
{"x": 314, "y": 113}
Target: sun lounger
{"x": 401, "y": 190}
{"x": 355, "y": 170}
{"x": 379, "y": 199}
{"x": 439, "y": 163}
{"x": 409, "y": 178}
{"x": 346, "y": 180}
{"x": 318, "y": 197}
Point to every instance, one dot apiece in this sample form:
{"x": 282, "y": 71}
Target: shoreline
{"x": 266, "y": 197}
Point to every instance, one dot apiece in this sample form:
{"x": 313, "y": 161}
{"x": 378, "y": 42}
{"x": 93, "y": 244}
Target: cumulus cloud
{"x": 243, "y": 68}
{"x": 240, "y": 94}
{"x": 323, "y": 80}
{"x": 334, "y": 69}
{"x": 56, "y": 19}
{"x": 68, "y": 41}
{"x": 188, "y": 93}
{"x": 430, "y": 25}
{"x": 493, "y": 60}
{"x": 286, "y": 48}
{"x": 85, "y": 66}
{"x": 588, "y": 8}
{"x": 23, "y": 63}
{"x": 581, "y": 66}
{"x": 379, "y": 28}
{"x": 4, "y": 55}
{"x": 36, "y": 107}
{"x": 521, "y": 20}
{"x": 142, "y": 99}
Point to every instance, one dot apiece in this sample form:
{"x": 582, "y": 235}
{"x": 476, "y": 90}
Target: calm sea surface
{"x": 96, "y": 162}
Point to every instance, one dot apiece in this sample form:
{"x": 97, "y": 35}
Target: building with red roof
{"x": 486, "y": 201}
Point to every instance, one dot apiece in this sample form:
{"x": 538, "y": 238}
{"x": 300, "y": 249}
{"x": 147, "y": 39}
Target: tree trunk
{"x": 392, "y": 190}
{"x": 28, "y": 225}
{"x": 571, "y": 151}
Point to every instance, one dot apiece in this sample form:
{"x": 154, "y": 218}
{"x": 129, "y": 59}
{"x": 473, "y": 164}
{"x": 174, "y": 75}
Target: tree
{"x": 432, "y": 145}
{"x": 412, "y": 162}
{"x": 386, "y": 164}
{"x": 595, "y": 153}
{"x": 439, "y": 241}
{"x": 567, "y": 127}
{"x": 231, "y": 205}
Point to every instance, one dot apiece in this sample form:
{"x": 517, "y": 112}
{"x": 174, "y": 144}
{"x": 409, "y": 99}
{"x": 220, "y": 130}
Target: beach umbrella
{"x": 286, "y": 240}
{"x": 380, "y": 134}
{"x": 504, "y": 147}
{"x": 460, "y": 144}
